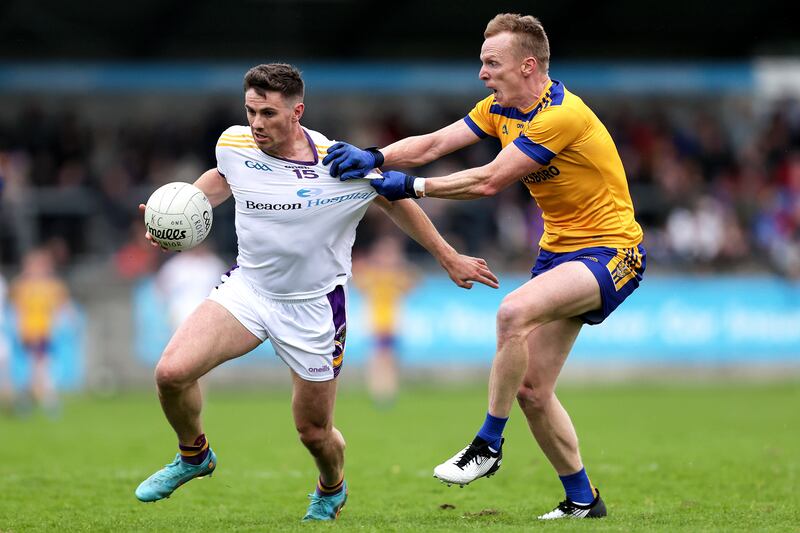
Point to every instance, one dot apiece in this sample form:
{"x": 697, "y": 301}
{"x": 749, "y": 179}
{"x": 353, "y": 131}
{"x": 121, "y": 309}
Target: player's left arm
{"x": 462, "y": 269}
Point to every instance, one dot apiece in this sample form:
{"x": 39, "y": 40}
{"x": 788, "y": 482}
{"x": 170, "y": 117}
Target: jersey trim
{"x": 513, "y": 112}
{"x": 537, "y": 152}
{"x": 475, "y": 128}
{"x": 311, "y": 145}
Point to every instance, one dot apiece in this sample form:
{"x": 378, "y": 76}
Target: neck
{"x": 536, "y": 88}
{"x": 296, "y": 146}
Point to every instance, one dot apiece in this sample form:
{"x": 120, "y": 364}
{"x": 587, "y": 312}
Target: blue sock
{"x": 492, "y": 430}
{"x": 577, "y": 487}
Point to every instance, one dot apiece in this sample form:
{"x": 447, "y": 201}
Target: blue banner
{"x": 668, "y": 320}
{"x": 66, "y": 363}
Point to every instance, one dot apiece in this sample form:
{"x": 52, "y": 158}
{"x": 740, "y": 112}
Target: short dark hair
{"x": 531, "y": 38}
{"x": 278, "y": 77}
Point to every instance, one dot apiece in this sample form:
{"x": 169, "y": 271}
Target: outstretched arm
{"x": 462, "y": 269}
{"x": 510, "y": 165}
{"x": 348, "y": 162}
{"x": 422, "y": 149}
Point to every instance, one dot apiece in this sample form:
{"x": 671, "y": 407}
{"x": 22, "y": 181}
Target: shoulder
{"x": 236, "y": 135}
{"x": 568, "y": 113}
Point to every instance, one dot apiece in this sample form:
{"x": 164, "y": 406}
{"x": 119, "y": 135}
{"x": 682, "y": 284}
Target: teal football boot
{"x": 164, "y": 482}
{"x": 326, "y": 507}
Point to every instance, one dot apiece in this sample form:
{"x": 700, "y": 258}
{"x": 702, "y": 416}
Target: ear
{"x": 297, "y": 111}
{"x": 528, "y": 67}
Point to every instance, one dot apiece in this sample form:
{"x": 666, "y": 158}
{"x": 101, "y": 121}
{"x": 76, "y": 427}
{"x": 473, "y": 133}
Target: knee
{"x": 313, "y": 436}
{"x": 533, "y": 400}
{"x": 513, "y": 317}
{"x": 170, "y": 375}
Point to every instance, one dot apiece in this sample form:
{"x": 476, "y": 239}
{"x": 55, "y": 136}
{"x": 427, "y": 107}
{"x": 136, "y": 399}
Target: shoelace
{"x": 164, "y": 472}
{"x": 321, "y": 501}
{"x": 567, "y": 507}
{"x": 470, "y": 454}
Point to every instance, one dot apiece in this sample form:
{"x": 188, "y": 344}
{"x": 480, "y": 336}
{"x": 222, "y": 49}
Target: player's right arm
{"x": 214, "y": 185}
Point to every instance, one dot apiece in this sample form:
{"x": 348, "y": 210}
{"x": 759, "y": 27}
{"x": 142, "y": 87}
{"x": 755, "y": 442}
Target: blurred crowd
{"x": 716, "y": 185}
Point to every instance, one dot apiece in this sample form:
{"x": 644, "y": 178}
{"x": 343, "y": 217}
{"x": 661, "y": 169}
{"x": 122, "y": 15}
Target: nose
{"x": 483, "y": 74}
{"x": 257, "y": 122}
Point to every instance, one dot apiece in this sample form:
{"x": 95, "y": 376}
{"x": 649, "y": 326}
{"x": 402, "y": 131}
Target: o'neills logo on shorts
{"x": 320, "y": 369}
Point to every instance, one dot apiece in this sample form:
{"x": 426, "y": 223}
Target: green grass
{"x": 667, "y": 458}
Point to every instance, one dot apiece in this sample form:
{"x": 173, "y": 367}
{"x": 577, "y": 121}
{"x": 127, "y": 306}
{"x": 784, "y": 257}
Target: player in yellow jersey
{"x": 590, "y": 256}
{"x": 38, "y": 296}
{"x": 384, "y": 279}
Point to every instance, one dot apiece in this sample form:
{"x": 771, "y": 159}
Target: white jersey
{"x": 295, "y": 223}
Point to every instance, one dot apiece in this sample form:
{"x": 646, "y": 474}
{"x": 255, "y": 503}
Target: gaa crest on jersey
{"x": 257, "y": 166}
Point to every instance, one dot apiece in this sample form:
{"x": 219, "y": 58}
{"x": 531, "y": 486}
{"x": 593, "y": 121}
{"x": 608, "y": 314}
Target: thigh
{"x": 210, "y": 336}
{"x": 310, "y": 336}
{"x": 313, "y": 402}
{"x": 548, "y": 348}
{"x": 567, "y": 290}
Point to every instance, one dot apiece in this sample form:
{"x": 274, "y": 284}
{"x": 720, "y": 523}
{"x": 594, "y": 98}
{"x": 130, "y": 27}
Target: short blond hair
{"x": 531, "y": 38}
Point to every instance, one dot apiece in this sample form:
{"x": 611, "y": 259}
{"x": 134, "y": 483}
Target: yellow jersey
{"x": 581, "y": 187}
{"x": 37, "y": 302}
{"x": 383, "y": 291}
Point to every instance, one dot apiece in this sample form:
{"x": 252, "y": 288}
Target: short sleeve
{"x": 220, "y": 154}
{"x": 550, "y": 131}
{"x": 480, "y": 120}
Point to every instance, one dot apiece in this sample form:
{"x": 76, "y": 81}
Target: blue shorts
{"x": 618, "y": 272}
{"x": 386, "y": 340}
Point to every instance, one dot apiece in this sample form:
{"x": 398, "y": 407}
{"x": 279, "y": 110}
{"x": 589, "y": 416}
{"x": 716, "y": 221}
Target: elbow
{"x": 486, "y": 189}
{"x": 492, "y": 181}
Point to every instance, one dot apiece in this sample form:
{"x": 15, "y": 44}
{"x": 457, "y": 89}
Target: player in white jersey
{"x": 295, "y": 226}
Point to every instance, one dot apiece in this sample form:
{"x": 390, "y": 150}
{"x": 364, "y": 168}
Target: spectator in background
{"x": 6, "y": 390}
{"x": 186, "y": 279}
{"x": 135, "y": 259}
{"x": 384, "y": 278}
{"x": 38, "y": 296}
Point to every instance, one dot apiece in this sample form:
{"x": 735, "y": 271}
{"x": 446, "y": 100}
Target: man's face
{"x": 271, "y": 117}
{"x": 501, "y": 68}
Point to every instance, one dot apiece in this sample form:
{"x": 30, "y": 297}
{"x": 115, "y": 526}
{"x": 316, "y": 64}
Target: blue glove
{"x": 348, "y": 162}
{"x": 395, "y": 185}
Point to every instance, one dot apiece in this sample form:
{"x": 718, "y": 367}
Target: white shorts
{"x": 309, "y": 335}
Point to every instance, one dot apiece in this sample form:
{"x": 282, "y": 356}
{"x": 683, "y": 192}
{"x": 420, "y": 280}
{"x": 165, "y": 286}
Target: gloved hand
{"x": 348, "y": 162}
{"x": 395, "y": 185}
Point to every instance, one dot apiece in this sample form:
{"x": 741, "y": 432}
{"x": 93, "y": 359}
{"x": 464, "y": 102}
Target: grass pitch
{"x": 666, "y": 458}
